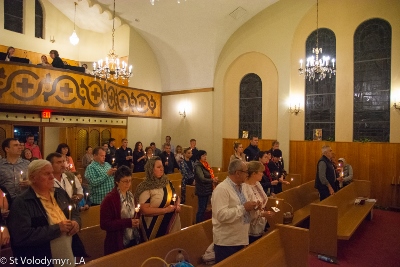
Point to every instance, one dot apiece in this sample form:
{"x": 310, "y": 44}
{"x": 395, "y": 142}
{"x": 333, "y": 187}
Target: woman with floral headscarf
{"x": 159, "y": 204}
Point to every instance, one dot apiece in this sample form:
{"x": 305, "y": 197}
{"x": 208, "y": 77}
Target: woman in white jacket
{"x": 253, "y": 191}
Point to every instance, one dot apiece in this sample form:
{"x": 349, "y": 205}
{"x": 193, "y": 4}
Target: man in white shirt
{"x": 65, "y": 180}
{"x": 230, "y": 212}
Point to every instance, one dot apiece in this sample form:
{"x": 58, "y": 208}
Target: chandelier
{"x": 318, "y": 66}
{"x": 74, "y": 39}
{"x": 110, "y": 68}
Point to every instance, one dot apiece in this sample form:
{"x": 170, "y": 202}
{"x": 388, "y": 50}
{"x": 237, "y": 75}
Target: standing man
{"x": 156, "y": 151}
{"x": 326, "y": 176}
{"x": 65, "y": 180}
{"x": 124, "y": 155}
{"x": 231, "y": 212}
{"x": 194, "y": 150}
{"x": 100, "y": 176}
{"x": 112, "y": 150}
{"x": 168, "y": 159}
{"x": 252, "y": 150}
{"x": 13, "y": 168}
{"x": 168, "y": 141}
{"x": 30, "y": 144}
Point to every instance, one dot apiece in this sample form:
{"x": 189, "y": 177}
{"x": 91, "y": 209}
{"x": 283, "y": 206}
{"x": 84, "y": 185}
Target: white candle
{"x": 113, "y": 160}
{"x": 69, "y": 212}
{"x": 174, "y": 198}
{"x": 20, "y": 178}
{"x": 87, "y": 194}
{"x": 137, "y": 208}
{"x": 301, "y": 63}
{"x": 3, "y": 207}
{"x": 277, "y": 202}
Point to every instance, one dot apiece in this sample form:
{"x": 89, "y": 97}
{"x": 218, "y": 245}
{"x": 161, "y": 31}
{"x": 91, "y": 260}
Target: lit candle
{"x": 301, "y": 63}
{"x": 87, "y": 194}
{"x": 69, "y": 212}
{"x": 72, "y": 182}
{"x": 219, "y": 169}
{"x": 277, "y": 174}
{"x": 113, "y": 160}
{"x": 277, "y": 203}
{"x": 137, "y": 209}
{"x": 174, "y": 198}
{"x": 20, "y": 178}
{"x": 341, "y": 174}
{"x": 291, "y": 179}
{"x": 247, "y": 158}
{"x": 167, "y": 158}
{"x": 70, "y": 166}
{"x": 1, "y": 234}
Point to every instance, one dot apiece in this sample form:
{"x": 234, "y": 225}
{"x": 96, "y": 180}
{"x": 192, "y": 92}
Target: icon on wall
{"x": 245, "y": 134}
{"x": 317, "y": 134}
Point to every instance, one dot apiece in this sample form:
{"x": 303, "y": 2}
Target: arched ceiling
{"x": 186, "y": 37}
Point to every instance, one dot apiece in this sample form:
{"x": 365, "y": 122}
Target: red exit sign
{"x": 46, "y": 114}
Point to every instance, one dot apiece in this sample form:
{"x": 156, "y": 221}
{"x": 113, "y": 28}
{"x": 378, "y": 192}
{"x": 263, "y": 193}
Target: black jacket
{"x": 29, "y": 228}
{"x": 204, "y": 183}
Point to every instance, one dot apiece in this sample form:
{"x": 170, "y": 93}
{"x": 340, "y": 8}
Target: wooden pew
{"x": 194, "y": 240}
{"x": 300, "y": 198}
{"x": 90, "y": 217}
{"x": 192, "y": 200}
{"x": 337, "y": 217}
{"x": 138, "y": 175}
{"x": 221, "y": 176}
{"x": 285, "y": 246}
{"x": 93, "y": 239}
{"x": 294, "y": 179}
{"x": 174, "y": 176}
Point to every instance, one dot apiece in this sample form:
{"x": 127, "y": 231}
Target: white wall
{"x": 144, "y": 130}
{"x": 51, "y": 140}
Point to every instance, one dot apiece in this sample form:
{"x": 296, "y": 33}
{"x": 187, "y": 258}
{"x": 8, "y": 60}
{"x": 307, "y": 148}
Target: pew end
{"x": 90, "y": 217}
{"x": 286, "y": 246}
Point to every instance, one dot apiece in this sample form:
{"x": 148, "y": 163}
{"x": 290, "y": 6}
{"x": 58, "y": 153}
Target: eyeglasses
{"x": 125, "y": 181}
{"x": 246, "y": 172}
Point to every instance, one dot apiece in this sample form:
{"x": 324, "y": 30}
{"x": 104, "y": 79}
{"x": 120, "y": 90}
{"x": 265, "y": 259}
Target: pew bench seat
{"x": 337, "y": 217}
{"x": 284, "y": 246}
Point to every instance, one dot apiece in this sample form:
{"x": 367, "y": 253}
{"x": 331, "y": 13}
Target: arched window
{"x": 372, "y": 65}
{"x": 13, "y": 15}
{"x": 320, "y": 95}
{"x": 38, "y": 19}
{"x": 250, "y": 105}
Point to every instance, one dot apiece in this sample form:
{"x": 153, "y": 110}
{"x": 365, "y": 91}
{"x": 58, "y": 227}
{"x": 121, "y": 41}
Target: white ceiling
{"x": 185, "y": 37}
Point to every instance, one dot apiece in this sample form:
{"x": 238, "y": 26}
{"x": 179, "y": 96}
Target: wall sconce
{"x": 396, "y": 105}
{"x": 182, "y": 113}
{"x": 296, "y": 110}
{"x": 52, "y": 40}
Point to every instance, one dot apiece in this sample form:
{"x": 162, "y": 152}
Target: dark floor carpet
{"x": 375, "y": 243}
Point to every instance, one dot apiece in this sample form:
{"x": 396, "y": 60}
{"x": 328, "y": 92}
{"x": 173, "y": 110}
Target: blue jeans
{"x": 203, "y": 201}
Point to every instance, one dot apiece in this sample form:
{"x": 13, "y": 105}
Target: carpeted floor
{"x": 376, "y": 243}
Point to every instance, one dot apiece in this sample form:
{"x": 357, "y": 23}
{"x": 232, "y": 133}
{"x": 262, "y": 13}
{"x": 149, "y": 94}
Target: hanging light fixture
{"x": 74, "y": 39}
{"x": 318, "y": 67}
{"x": 110, "y": 67}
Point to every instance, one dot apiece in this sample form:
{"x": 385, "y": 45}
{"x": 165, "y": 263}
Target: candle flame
{"x": 2, "y": 229}
{"x": 277, "y": 202}
{"x": 69, "y": 207}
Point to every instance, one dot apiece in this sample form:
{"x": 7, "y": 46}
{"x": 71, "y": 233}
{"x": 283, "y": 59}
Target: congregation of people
{"x": 45, "y": 196}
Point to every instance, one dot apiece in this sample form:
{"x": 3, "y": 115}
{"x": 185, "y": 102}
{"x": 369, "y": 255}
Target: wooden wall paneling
{"x": 118, "y": 134}
{"x": 82, "y": 141}
{"x": 6, "y": 131}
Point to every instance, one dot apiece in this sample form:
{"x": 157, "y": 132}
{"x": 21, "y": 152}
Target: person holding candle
{"x": 253, "y": 191}
{"x": 277, "y": 172}
{"x": 88, "y": 157}
{"x": 119, "y": 214}
{"x": 267, "y": 182}
{"x": 187, "y": 171}
{"x": 205, "y": 179}
{"x": 123, "y": 155}
{"x": 64, "y": 150}
{"x": 85, "y": 202}
{"x": 139, "y": 158}
{"x": 168, "y": 159}
{"x": 149, "y": 153}
{"x": 38, "y": 220}
{"x": 238, "y": 152}
{"x": 5, "y": 235}
{"x": 178, "y": 154}
{"x": 252, "y": 150}
{"x": 346, "y": 175}
{"x": 160, "y": 214}
{"x": 11, "y": 167}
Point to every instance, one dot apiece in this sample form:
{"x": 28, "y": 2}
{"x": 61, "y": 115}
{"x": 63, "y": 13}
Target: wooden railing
{"x": 60, "y": 89}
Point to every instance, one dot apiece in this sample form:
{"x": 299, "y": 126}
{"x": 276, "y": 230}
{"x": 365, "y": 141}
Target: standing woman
{"x": 117, "y": 214}
{"x": 27, "y": 154}
{"x": 178, "y": 154}
{"x": 139, "y": 158}
{"x": 88, "y": 157}
{"x": 204, "y": 177}
{"x": 238, "y": 152}
{"x": 266, "y": 181}
{"x": 64, "y": 150}
{"x": 253, "y": 191}
{"x": 187, "y": 170}
{"x": 158, "y": 206}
